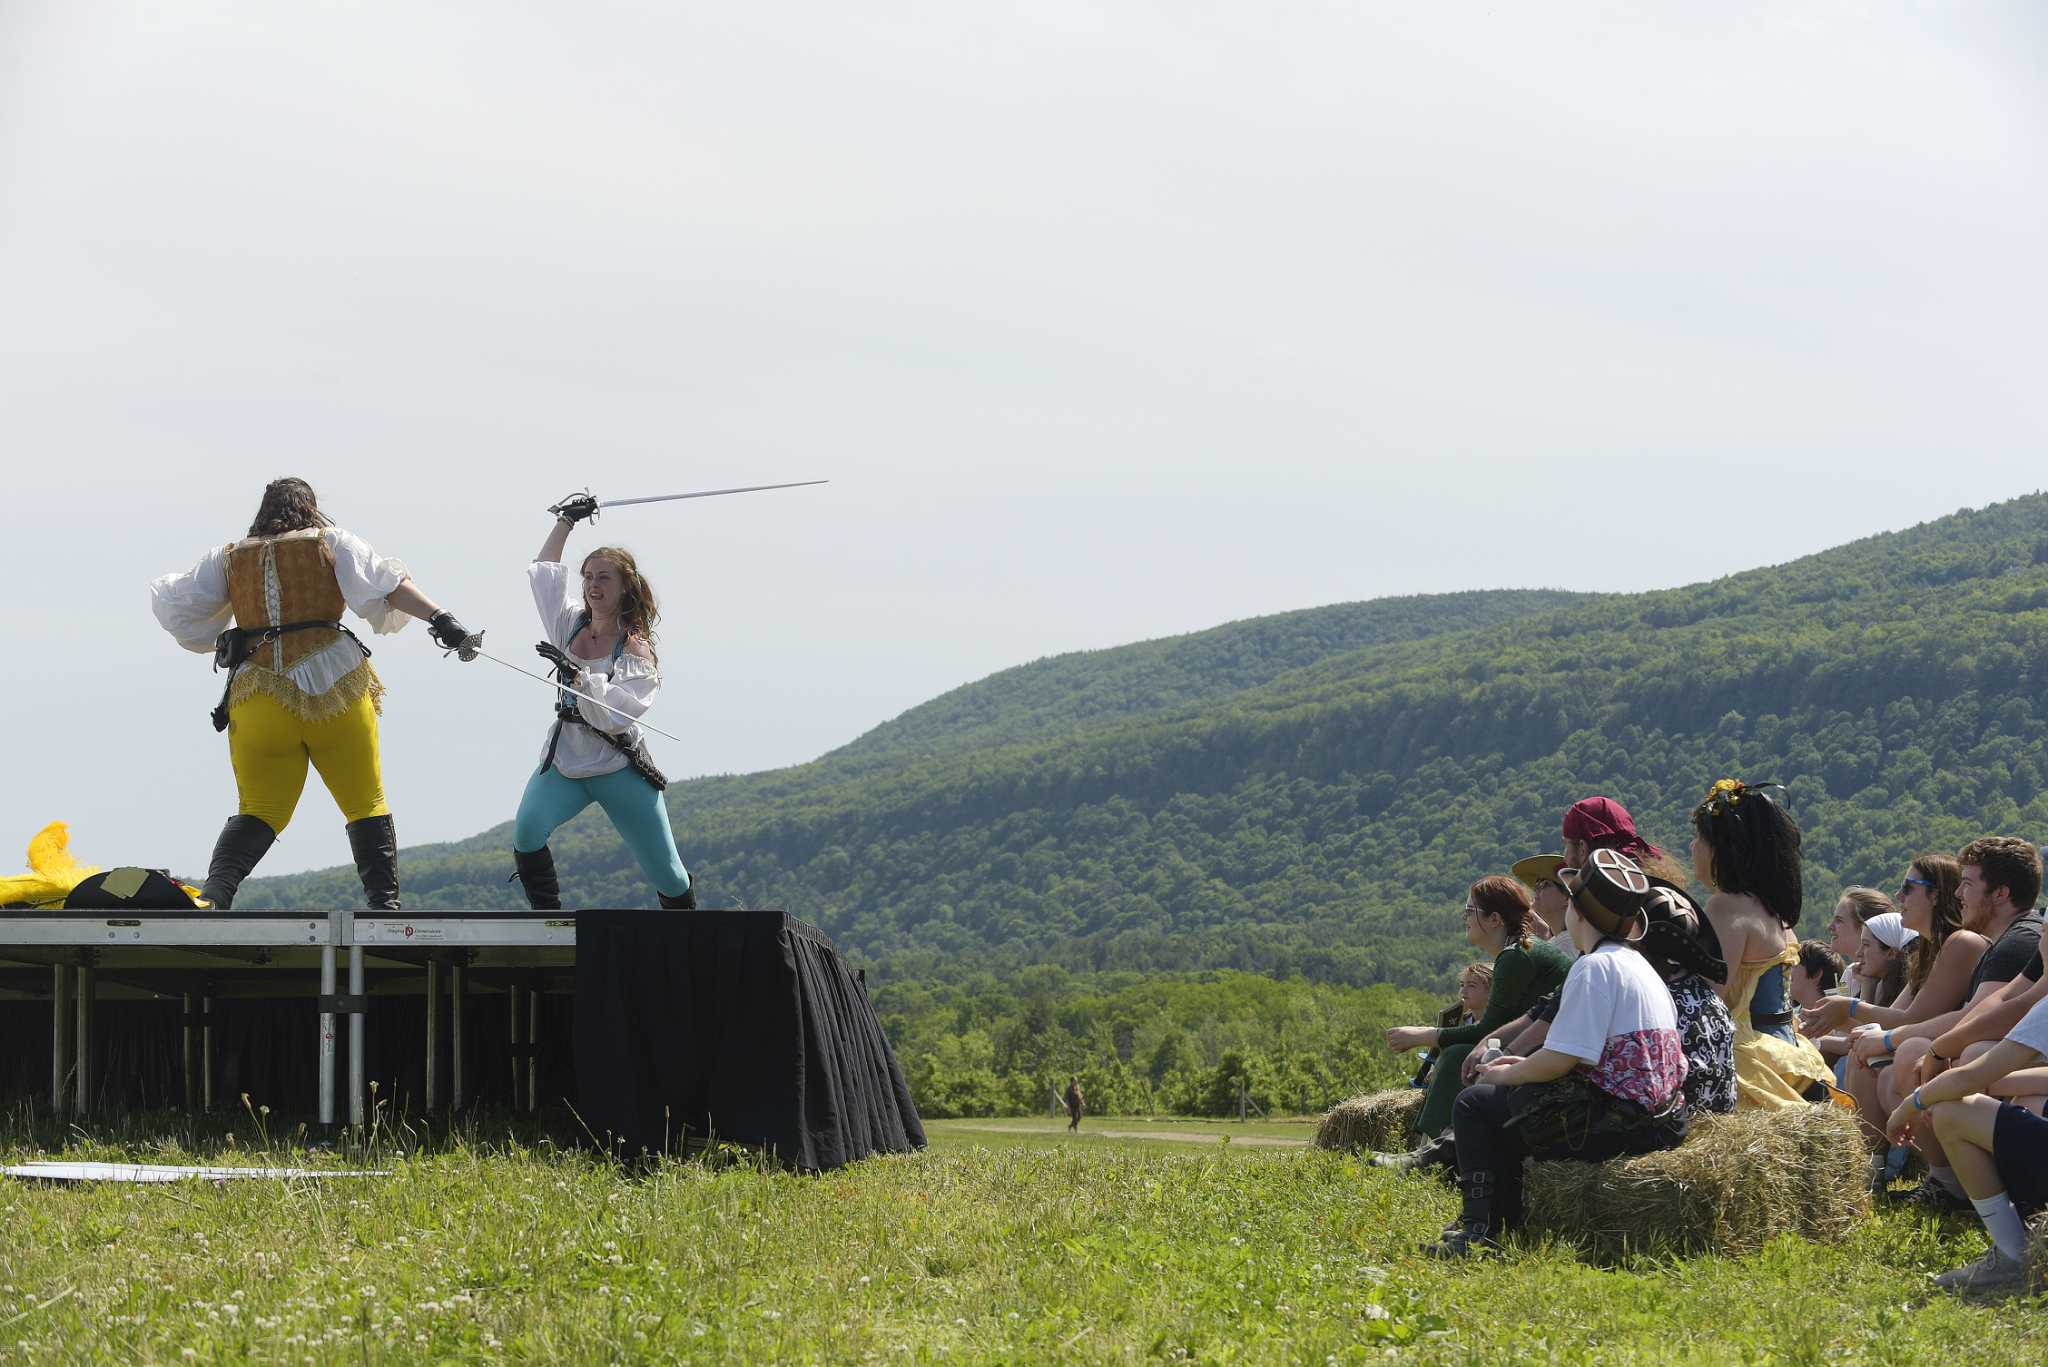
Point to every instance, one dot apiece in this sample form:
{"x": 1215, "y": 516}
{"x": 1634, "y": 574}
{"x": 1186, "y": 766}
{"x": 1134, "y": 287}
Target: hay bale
{"x": 1380, "y": 1122}
{"x": 1737, "y": 1182}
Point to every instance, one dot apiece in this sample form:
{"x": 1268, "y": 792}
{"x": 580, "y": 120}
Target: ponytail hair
{"x": 1505, "y": 897}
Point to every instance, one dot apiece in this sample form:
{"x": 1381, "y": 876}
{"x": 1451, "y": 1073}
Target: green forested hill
{"x": 1310, "y": 793}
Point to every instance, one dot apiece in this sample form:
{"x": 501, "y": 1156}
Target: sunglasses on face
{"x": 1912, "y": 882}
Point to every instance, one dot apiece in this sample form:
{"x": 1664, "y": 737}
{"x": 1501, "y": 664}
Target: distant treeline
{"x": 1160, "y": 1045}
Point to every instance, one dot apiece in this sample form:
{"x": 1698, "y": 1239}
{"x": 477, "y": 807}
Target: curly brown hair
{"x": 2007, "y": 862}
{"x": 638, "y": 611}
{"x": 288, "y": 505}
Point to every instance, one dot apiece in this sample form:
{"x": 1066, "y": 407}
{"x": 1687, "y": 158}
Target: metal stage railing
{"x": 77, "y": 959}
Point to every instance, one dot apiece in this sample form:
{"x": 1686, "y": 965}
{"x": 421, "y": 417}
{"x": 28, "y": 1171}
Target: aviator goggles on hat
{"x": 1610, "y": 890}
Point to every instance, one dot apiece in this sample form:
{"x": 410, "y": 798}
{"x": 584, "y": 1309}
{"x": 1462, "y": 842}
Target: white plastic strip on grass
{"x": 168, "y": 1172}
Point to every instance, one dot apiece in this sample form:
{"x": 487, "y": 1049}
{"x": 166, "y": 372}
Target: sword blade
{"x": 707, "y": 493}
{"x": 577, "y": 692}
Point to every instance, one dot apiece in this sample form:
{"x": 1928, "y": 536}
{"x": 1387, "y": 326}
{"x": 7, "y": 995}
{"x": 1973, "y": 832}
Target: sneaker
{"x": 1931, "y": 1196}
{"x": 1994, "y": 1274}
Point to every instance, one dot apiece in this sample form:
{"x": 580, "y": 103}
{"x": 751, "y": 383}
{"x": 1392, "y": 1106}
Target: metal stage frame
{"x": 78, "y": 958}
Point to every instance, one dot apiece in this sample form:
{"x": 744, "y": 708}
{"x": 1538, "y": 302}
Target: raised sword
{"x": 568, "y": 507}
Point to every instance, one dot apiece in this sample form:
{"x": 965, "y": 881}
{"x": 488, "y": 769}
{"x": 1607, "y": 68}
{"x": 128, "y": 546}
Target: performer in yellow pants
{"x": 300, "y": 688}
{"x": 271, "y": 748}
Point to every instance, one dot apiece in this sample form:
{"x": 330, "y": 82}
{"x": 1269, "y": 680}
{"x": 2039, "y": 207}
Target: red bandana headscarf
{"x": 1604, "y": 824}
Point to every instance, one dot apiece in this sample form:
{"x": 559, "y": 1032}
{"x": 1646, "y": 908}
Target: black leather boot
{"x": 243, "y": 841}
{"x": 686, "y": 902}
{"x": 1478, "y": 1228}
{"x": 536, "y": 874}
{"x": 374, "y": 842}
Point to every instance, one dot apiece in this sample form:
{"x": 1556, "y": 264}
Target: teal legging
{"x": 631, "y": 802}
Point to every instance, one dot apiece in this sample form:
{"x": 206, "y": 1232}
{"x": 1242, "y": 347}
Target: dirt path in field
{"x": 1256, "y": 1141}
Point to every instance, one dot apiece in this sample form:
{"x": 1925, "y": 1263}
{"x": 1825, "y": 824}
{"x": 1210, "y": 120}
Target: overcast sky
{"x": 1106, "y": 321}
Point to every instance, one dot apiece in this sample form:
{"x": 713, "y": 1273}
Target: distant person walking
{"x": 1075, "y": 1105}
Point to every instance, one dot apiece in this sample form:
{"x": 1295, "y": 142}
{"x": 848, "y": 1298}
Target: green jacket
{"x": 1521, "y": 978}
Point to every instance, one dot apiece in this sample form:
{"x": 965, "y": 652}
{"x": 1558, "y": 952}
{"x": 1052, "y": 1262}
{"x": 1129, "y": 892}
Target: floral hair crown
{"x": 1727, "y": 794}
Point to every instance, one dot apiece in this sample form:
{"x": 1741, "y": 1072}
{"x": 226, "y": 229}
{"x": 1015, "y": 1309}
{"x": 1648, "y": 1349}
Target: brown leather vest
{"x": 273, "y": 580}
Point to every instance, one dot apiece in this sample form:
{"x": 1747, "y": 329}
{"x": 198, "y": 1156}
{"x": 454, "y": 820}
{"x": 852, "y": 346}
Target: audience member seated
{"x": 1845, "y": 927}
{"x": 1538, "y": 873}
{"x": 1818, "y": 972}
{"x": 1689, "y": 969}
{"x": 1746, "y": 848}
{"x": 1524, "y": 968}
{"x": 1848, "y": 930}
{"x": 1999, "y": 880}
{"x": 1475, "y": 984}
{"x": 1609, "y": 1080}
{"x": 1998, "y": 1148}
{"x": 1940, "y": 957}
{"x": 1591, "y": 823}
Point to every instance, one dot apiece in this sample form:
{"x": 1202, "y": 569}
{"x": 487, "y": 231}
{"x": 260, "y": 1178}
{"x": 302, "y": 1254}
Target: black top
{"x": 2010, "y": 955}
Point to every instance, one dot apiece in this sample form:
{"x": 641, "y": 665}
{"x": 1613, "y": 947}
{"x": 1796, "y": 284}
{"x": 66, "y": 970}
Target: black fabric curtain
{"x": 744, "y": 1026}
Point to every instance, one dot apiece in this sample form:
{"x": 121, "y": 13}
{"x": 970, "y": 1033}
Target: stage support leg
{"x": 327, "y": 1039}
{"x": 533, "y": 1050}
{"x": 206, "y": 1053}
{"x": 458, "y": 1000}
{"x": 189, "y": 1043}
{"x": 355, "y": 1040}
{"x": 433, "y": 1034}
{"x": 516, "y": 1001}
{"x": 87, "y": 988}
{"x": 60, "y": 1038}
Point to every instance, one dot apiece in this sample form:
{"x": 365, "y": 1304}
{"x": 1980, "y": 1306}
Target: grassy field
{"x": 1007, "y": 1241}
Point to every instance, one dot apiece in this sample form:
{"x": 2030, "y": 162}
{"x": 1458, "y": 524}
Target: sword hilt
{"x": 577, "y": 508}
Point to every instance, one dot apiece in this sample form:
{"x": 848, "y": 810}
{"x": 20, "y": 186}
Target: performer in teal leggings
{"x": 601, "y": 643}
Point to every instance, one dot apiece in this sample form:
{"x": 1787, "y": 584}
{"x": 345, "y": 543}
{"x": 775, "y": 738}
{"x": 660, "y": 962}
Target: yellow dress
{"x": 1769, "y": 1072}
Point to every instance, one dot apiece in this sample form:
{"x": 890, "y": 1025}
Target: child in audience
{"x": 1818, "y": 972}
{"x": 1475, "y": 985}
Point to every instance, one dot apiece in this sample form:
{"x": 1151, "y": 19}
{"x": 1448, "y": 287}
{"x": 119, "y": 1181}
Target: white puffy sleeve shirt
{"x": 194, "y": 608}
{"x": 628, "y": 685}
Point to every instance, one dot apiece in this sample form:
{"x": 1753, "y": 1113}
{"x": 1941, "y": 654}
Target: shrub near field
{"x": 1165, "y": 1044}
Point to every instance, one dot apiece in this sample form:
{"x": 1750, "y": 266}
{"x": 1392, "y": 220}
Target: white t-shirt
{"x": 2032, "y": 1030}
{"x": 1617, "y": 1017}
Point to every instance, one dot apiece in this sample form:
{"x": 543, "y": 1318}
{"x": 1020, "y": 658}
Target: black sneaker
{"x": 1930, "y": 1195}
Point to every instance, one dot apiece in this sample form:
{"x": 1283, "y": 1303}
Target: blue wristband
{"x": 1852, "y": 1008}
{"x": 1918, "y": 1104}
{"x": 1888, "y": 1043}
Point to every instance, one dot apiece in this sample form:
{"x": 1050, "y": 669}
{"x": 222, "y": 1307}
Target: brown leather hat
{"x": 1611, "y": 891}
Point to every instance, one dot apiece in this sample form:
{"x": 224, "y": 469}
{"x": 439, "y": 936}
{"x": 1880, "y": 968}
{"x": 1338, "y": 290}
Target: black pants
{"x": 1480, "y": 1117}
